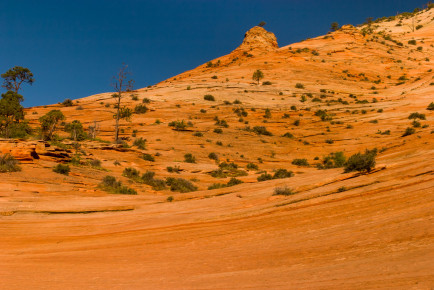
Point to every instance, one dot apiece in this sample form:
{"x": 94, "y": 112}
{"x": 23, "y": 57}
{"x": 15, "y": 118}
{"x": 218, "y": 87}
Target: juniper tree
{"x": 258, "y": 75}
{"x": 15, "y": 77}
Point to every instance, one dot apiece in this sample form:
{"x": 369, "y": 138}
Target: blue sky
{"x": 75, "y": 47}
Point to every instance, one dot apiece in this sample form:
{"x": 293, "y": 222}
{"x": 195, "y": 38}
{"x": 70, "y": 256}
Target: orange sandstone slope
{"x": 338, "y": 230}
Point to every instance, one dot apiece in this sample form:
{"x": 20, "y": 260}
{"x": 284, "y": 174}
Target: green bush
{"x": 140, "y": 143}
{"x": 252, "y": 166}
{"x": 140, "y": 109}
{"x": 174, "y": 169}
{"x": 67, "y": 103}
{"x": 218, "y": 131}
{"x": 180, "y": 184}
{"x": 110, "y": 184}
{"x": 282, "y": 173}
{"x": 416, "y": 115}
{"x": 300, "y": 162}
{"x": 189, "y": 158}
{"x": 62, "y": 169}
{"x": 409, "y": 131}
{"x": 283, "y": 191}
{"x": 132, "y": 173}
{"x": 148, "y": 157}
{"x": 213, "y": 156}
{"x": 209, "y": 98}
{"x": 299, "y": 86}
{"x": 264, "y": 176}
{"x": 430, "y": 106}
{"x": 261, "y": 130}
{"x": 333, "y": 160}
{"x": 361, "y": 162}
{"x": 288, "y": 135}
{"x": 9, "y": 164}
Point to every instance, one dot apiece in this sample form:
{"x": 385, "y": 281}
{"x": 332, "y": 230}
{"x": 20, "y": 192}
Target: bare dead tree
{"x": 93, "y": 129}
{"x": 121, "y": 84}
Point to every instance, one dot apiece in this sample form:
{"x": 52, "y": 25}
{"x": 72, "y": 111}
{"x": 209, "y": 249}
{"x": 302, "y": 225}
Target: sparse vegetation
{"x": 283, "y": 191}
{"x": 361, "y": 162}
{"x": 110, "y": 184}
{"x": 8, "y": 164}
{"x": 62, "y": 169}
{"x": 209, "y": 98}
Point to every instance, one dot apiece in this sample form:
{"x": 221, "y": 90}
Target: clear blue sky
{"x": 74, "y": 47}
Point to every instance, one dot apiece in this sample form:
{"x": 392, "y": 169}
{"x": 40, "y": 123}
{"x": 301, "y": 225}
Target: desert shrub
{"x": 179, "y": 125}
{"x": 67, "y": 103}
{"x": 299, "y": 86}
{"x": 300, "y": 162}
{"x": 134, "y": 97}
{"x": 430, "y": 106}
{"x": 218, "y": 131}
{"x": 361, "y": 162}
{"x": 237, "y": 102}
{"x": 9, "y": 164}
{"x": 148, "y": 157}
{"x": 209, "y": 98}
{"x": 266, "y": 83}
{"x": 140, "y": 109}
{"x": 408, "y": 131}
{"x": 180, "y": 184}
{"x": 283, "y": 191}
{"x": 149, "y": 178}
{"x": 329, "y": 141}
{"x": 203, "y": 111}
{"x": 146, "y": 101}
{"x": 140, "y": 143}
{"x": 252, "y": 166}
{"x": 228, "y": 166}
{"x": 267, "y": 114}
{"x": 282, "y": 173}
{"x": 132, "y": 173}
{"x": 217, "y": 186}
{"x": 189, "y": 158}
{"x": 288, "y": 135}
{"x": 233, "y": 181}
{"x": 110, "y": 184}
{"x": 416, "y": 124}
{"x": 173, "y": 169}
{"x": 293, "y": 108}
{"x": 95, "y": 163}
{"x": 412, "y": 42}
{"x": 296, "y": 123}
{"x": 170, "y": 199}
{"x": 333, "y": 160}
{"x": 261, "y": 130}
{"x": 416, "y": 115}
{"x": 264, "y": 176}
{"x": 222, "y": 123}
{"x": 213, "y": 156}
{"x": 198, "y": 134}
{"x": 62, "y": 169}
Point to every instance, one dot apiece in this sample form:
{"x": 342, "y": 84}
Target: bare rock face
{"x": 259, "y": 38}
{"x": 21, "y": 150}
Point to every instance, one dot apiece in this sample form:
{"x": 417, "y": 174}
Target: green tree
{"x": 258, "y": 75}
{"x": 334, "y": 26}
{"x": 15, "y": 77}
{"x": 76, "y": 130}
{"x": 121, "y": 84}
{"x": 49, "y": 122}
{"x": 11, "y": 112}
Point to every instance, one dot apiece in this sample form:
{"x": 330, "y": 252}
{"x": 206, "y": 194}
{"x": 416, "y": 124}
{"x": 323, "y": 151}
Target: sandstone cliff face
{"x": 21, "y": 150}
{"x": 258, "y": 38}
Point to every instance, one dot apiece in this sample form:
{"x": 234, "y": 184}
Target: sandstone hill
{"x": 348, "y": 91}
